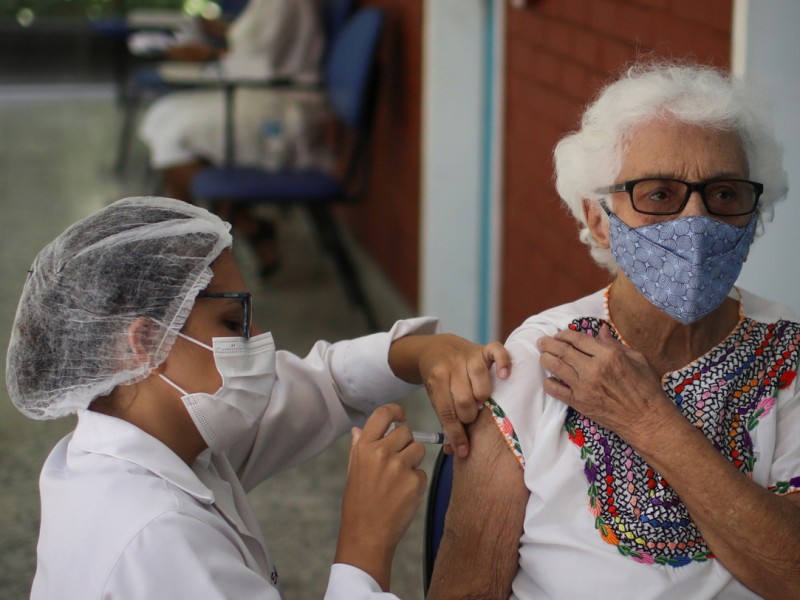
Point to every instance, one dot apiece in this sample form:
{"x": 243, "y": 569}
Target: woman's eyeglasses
{"x": 661, "y": 196}
{"x": 246, "y": 299}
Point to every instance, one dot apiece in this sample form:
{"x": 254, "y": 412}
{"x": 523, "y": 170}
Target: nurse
{"x": 137, "y": 319}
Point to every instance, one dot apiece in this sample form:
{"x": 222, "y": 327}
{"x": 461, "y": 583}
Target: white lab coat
{"x": 125, "y": 517}
{"x": 271, "y": 38}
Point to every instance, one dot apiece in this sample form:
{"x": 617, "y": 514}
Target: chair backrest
{"x": 350, "y": 66}
{"x": 334, "y": 16}
{"x": 438, "y": 500}
{"x": 231, "y": 8}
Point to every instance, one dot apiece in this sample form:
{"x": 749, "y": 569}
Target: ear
{"x": 597, "y": 221}
{"x": 140, "y": 335}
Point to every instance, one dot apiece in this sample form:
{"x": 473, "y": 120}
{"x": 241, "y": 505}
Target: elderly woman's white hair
{"x": 591, "y": 157}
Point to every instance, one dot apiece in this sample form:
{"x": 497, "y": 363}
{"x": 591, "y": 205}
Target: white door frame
{"x": 764, "y": 50}
{"x": 461, "y": 158}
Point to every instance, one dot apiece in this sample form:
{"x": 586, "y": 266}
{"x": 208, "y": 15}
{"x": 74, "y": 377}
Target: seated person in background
{"x": 646, "y": 445}
{"x": 137, "y": 319}
{"x": 172, "y": 34}
{"x": 185, "y": 130}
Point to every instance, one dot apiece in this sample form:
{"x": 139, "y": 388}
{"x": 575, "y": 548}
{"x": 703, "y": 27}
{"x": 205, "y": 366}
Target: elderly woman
{"x": 137, "y": 319}
{"x": 646, "y": 444}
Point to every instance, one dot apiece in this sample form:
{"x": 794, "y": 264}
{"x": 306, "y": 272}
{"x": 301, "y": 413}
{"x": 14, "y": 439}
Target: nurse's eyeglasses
{"x": 246, "y": 299}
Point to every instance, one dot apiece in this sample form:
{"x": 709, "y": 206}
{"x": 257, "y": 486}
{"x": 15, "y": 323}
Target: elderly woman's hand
{"x": 456, "y": 374}
{"x": 605, "y": 380}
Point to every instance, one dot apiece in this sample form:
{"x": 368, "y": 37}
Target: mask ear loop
{"x": 194, "y": 341}
{"x": 173, "y": 384}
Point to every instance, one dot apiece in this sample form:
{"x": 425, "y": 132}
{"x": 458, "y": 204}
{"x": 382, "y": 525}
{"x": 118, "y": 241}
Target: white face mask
{"x": 247, "y": 368}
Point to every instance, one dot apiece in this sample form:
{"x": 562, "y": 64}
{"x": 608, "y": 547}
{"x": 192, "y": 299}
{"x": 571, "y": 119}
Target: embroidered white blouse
{"x": 600, "y": 523}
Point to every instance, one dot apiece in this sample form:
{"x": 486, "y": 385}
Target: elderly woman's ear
{"x": 597, "y": 222}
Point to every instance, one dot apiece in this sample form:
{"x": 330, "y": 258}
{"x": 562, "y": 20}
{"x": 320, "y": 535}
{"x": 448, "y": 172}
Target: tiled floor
{"x": 55, "y": 167}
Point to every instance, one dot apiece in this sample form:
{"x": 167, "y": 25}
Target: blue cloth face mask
{"x": 687, "y": 266}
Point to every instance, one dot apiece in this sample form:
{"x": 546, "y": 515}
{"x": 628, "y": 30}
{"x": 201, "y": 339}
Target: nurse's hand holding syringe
{"x": 424, "y": 437}
{"x": 385, "y": 486}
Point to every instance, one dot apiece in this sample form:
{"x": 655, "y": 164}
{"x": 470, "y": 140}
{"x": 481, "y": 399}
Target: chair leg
{"x": 325, "y": 224}
{"x": 130, "y": 107}
{"x": 121, "y": 65}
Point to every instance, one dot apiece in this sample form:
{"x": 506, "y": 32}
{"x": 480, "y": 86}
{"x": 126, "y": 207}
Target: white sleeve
{"x": 318, "y": 398}
{"x": 350, "y": 583}
{"x": 360, "y": 367}
{"x": 275, "y": 34}
{"x": 256, "y": 30}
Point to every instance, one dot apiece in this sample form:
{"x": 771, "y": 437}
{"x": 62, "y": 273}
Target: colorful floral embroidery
{"x": 786, "y": 487}
{"x": 507, "y": 429}
{"x": 786, "y": 379}
{"x": 726, "y": 394}
{"x": 762, "y": 410}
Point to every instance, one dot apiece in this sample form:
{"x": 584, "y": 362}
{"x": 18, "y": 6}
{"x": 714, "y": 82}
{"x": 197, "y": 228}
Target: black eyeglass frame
{"x": 627, "y": 186}
{"x": 247, "y": 304}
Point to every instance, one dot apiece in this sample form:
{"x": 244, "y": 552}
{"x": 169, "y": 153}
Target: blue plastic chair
{"x": 349, "y": 85}
{"x": 441, "y": 488}
{"x": 334, "y": 15}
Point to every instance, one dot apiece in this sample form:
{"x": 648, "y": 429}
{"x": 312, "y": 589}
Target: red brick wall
{"x": 558, "y": 53}
{"x": 387, "y": 223}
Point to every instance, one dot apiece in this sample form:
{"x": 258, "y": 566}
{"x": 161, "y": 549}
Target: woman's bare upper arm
{"x": 479, "y": 552}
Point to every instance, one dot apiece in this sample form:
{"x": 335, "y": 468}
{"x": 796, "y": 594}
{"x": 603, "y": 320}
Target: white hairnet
{"x": 138, "y": 257}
